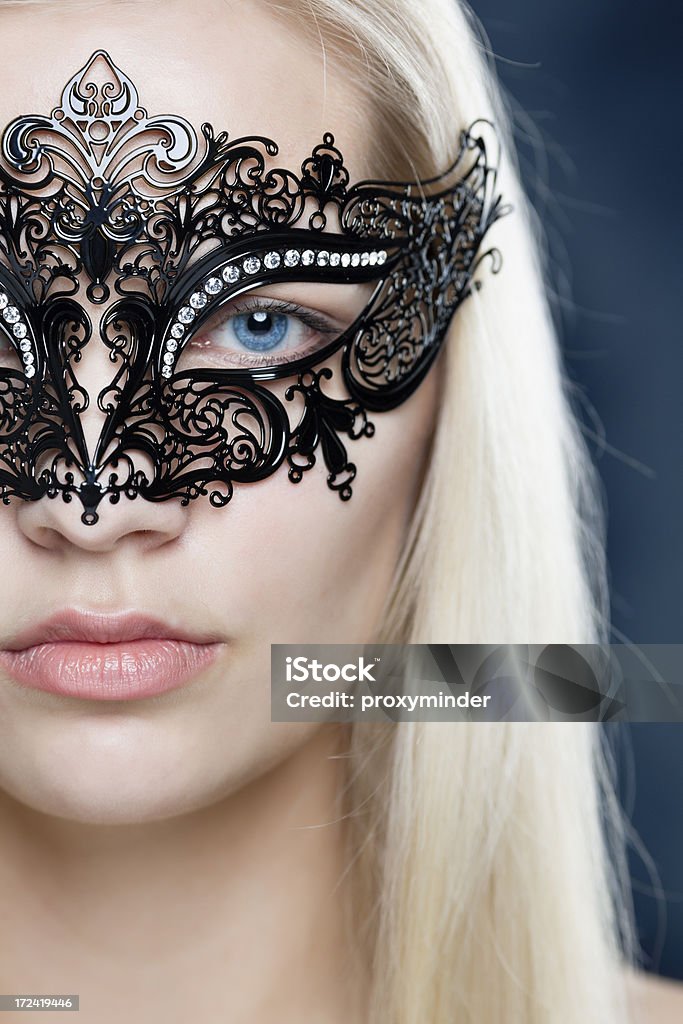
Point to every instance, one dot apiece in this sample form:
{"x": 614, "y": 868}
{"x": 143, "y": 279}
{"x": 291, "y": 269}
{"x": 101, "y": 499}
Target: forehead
{"x": 232, "y": 63}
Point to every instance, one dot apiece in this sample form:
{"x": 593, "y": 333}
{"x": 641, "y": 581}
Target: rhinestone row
{"x": 12, "y": 317}
{"x": 249, "y": 266}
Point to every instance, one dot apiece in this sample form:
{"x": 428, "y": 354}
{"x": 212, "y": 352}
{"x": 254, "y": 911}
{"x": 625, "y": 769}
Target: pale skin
{"x": 181, "y": 858}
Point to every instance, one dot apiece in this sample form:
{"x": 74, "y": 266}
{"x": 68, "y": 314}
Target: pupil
{"x": 260, "y": 331}
{"x": 260, "y": 323}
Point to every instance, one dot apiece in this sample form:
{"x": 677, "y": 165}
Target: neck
{"x": 232, "y": 912}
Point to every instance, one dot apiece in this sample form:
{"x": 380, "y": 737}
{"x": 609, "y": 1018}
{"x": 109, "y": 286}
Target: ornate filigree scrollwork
{"x": 160, "y": 226}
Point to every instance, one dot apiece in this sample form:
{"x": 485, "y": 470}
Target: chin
{"x": 106, "y": 773}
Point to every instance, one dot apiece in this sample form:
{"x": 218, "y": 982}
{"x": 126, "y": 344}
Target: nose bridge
{"x": 93, "y": 371}
{"x": 91, "y": 356}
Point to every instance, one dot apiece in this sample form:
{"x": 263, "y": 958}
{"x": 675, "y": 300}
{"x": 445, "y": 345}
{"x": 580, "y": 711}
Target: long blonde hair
{"x": 488, "y": 858}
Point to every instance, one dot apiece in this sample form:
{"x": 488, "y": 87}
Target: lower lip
{"x": 131, "y": 670}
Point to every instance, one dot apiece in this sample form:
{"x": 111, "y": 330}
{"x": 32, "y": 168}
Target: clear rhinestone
{"x": 355, "y": 259}
{"x": 20, "y": 330}
{"x": 213, "y": 285}
{"x": 171, "y": 344}
{"x": 198, "y": 300}
{"x": 292, "y": 258}
{"x": 335, "y": 259}
{"x": 373, "y": 259}
{"x": 3, "y": 300}
{"x": 323, "y": 258}
{"x": 307, "y": 257}
{"x": 231, "y": 274}
{"x": 28, "y": 358}
{"x": 177, "y": 331}
{"x": 251, "y": 265}
{"x": 346, "y": 259}
{"x": 381, "y": 257}
{"x": 30, "y": 371}
{"x": 11, "y": 314}
{"x": 169, "y": 358}
{"x": 166, "y": 371}
{"x": 186, "y": 315}
{"x": 25, "y": 345}
{"x": 272, "y": 260}
{"x": 364, "y": 259}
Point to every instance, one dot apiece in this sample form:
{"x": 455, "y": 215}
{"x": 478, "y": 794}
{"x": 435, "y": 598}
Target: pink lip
{"x": 106, "y": 657}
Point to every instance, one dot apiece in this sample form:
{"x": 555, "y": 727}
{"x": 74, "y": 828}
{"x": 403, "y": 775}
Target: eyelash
{"x": 316, "y": 321}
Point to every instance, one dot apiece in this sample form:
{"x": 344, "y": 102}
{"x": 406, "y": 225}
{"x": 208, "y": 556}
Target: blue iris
{"x": 260, "y": 331}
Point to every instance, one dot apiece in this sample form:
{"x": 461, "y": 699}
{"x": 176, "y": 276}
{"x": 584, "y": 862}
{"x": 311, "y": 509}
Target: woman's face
{"x": 281, "y": 563}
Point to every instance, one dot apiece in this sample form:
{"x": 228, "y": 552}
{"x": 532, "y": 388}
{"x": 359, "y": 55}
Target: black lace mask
{"x": 162, "y": 227}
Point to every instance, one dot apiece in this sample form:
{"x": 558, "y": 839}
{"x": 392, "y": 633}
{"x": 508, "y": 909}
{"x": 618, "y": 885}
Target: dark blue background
{"x": 596, "y": 87}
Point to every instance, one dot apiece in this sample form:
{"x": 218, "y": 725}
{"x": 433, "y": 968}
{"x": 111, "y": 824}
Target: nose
{"x": 57, "y": 525}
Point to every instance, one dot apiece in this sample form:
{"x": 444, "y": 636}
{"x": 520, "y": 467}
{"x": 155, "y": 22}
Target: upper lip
{"x": 103, "y": 628}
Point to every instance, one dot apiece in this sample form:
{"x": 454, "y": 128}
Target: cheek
{"x": 292, "y": 563}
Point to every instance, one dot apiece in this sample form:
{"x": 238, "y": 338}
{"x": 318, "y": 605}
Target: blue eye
{"x": 264, "y": 333}
{"x": 260, "y": 331}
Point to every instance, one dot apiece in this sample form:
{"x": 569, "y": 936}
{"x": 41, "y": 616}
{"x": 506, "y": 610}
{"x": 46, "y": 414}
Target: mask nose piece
{"x": 90, "y": 494}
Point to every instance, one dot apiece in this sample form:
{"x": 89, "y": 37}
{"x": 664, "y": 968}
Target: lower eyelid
{"x": 246, "y": 361}
{"x": 254, "y": 362}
